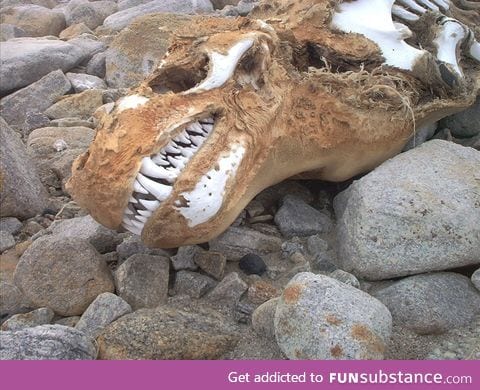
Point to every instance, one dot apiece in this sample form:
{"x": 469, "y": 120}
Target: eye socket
{"x": 251, "y": 67}
{"x": 180, "y": 77}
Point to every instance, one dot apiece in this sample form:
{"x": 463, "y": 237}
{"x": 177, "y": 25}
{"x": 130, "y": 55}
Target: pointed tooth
{"x": 137, "y": 187}
{"x": 129, "y": 212}
{"x": 430, "y": 5}
{"x": 404, "y": 14}
{"x": 137, "y": 224}
{"x": 133, "y": 229}
{"x": 126, "y": 221}
{"x": 144, "y": 213}
{"x": 188, "y": 152}
{"x": 133, "y": 200}
{"x": 413, "y": 6}
{"x": 207, "y": 120}
{"x": 183, "y": 138}
{"x": 197, "y": 139}
{"x": 142, "y": 219}
{"x": 149, "y": 168}
{"x": 195, "y": 127}
{"x": 178, "y": 163}
{"x": 170, "y": 148}
{"x": 160, "y": 159}
{"x": 150, "y": 204}
{"x": 160, "y": 191}
{"x": 207, "y": 127}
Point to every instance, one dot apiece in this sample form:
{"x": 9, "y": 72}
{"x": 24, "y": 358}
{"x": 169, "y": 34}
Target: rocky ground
{"x": 382, "y": 267}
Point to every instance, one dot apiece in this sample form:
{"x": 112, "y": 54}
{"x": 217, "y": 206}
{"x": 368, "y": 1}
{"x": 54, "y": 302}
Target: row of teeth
{"x": 154, "y": 183}
{"x": 410, "y": 9}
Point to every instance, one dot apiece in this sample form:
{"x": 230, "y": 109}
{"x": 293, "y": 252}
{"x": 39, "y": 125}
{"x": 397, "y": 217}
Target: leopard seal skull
{"x": 321, "y": 89}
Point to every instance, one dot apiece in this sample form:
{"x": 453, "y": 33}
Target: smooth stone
{"x": 263, "y": 318}
{"x": 7, "y": 241}
{"x": 81, "y": 105}
{"x": 345, "y": 277}
{"x": 74, "y": 31}
{"x": 9, "y": 31}
{"x": 65, "y": 275}
{"x": 132, "y": 245}
{"x": 229, "y": 290}
{"x": 10, "y": 225}
{"x": 81, "y": 82}
{"x": 26, "y": 60}
{"x": 320, "y": 318}
{"x": 476, "y": 279}
{"x": 431, "y": 303}
{"x": 410, "y": 216}
{"x": 168, "y": 333}
{"x": 92, "y": 14}
{"x": 465, "y": 123}
{"x": 96, "y": 65}
{"x": 184, "y": 258}
{"x": 35, "y": 20}
{"x": 46, "y": 342}
{"x": 212, "y": 263}
{"x": 252, "y": 264}
{"x": 142, "y": 280}
{"x": 34, "y": 99}
{"x": 22, "y": 195}
{"x": 37, "y": 317}
{"x": 105, "y": 309}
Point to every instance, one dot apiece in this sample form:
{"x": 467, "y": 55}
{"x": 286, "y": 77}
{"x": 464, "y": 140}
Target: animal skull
{"x": 319, "y": 89}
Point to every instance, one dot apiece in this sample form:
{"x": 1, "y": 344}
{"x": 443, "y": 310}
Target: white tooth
{"x": 196, "y": 127}
{"x": 141, "y": 219}
{"x": 137, "y": 224}
{"x": 149, "y": 168}
{"x": 170, "y": 148}
{"x": 126, "y": 221}
{"x": 133, "y": 200}
{"x": 150, "y": 204}
{"x": 144, "y": 213}
{"x": 160, "y": 159}
{"x": 197, "y": 139}
{"x": 208, "y": 128}
{"x": 133, "y": 229}
{"x": 404, "y": 14}
{"x": 137, "y": 187}
{"x": 475, "y": 50}
{"x": 413, "y": 6}
{"x": 189, "y": 152}
{"x": 442, "y": 3}
{"x": 129, "y": 212}
{"x": 430, "y": 5}
{"x": 183, "y": 138}
{"x": 178, "y": 163}
{"x": 208, "y": 120}
{"x": 160, "y": 191}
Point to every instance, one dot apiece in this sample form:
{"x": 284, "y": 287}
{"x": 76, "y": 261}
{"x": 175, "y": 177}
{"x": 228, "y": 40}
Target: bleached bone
{"x": 448, "y": 39}
{"x": 373, "y": 19}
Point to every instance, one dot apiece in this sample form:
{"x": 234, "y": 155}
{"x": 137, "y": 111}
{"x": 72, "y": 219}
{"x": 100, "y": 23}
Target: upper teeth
{"x": 154, "y": 183}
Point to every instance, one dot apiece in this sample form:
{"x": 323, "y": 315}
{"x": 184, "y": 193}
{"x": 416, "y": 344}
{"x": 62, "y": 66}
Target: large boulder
{"x": 168, "y": 333}
{"x": 22, "y": 194}
{"x": 417, "y": 212}
{"x": 92, "y": 14}
{"x": 35, "y": 98}
{"x": 9, "y": 31}
{"x": 119, "y": 20}
{"x": 63, "y": 274}
{"x": 432, "y": 303}
{"x": 80, "y": 105}
{"x": 138, "y": 49}
{"x": 46, "y": 342}
{"x": 465, "y": 124}
{"x": 318, "y": 317}
{"x": 26, "y": 60}
{"x": 35, "y": 20}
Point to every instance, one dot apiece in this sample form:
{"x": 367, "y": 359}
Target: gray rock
{"x": 55, "y": 148}
{"x": 411, "y": 216}
{"x": 316, "y": 245}
{"x": 34, "y": 120}
{"x": 229, "y": 290}
{"x": 138, "y": 49}
{"x": 96, "y": 65}
{"x": 91, "y": 14}
{"x": 237, "y": 242}
{"x": 9, "y": 31}
{"x": 219, "y": 4}
{"x": 272, "y": 195}
{"x": 142, "y": 280}
{"x": 476, "y": 279}
{"x": 35, "y": 98}
{"x": 167, "y": 333}
{"x": 26, "y": 60}
{"x": 193, "y": 284}
{"x": 318, "y": 317}
{"x": 41, "y": 316}
{"x": 244, "y": 7}
{"x": 212, "y": 263}
{"x": 465, "y": 123}
{"x": 63, "y": 274}
{"x": 35, "y": 20}
{"x": 46, "y": 342}
{"x": 6, "y": 241}
{"x": 10, "y": 225}
{"x": 421, "y": 135}
{"x": 263, "y": 318}
{"x": 431, "y": 303}
{"x": 105, "y": 309}
{"x": 122, "y": 19}
{"x": 22, "y": 195}
{"x": 12, "y": 300}
{"x": 345, "y": 277}
{"x": 72, "y": 122}
{"x": 126, "y": 4}
{"x": 74, "y": 31}
{"x": 86, "y": 228}
{"x": 184, "y": 259}
{"x": 297, "y": 218}
{"x": 81, "y": 82}
{"x": 81, "y": 105}
{"x": 132, "y": 245}
{"x": 89, "y": 44}
{"x": 68, "y": 321}
{"x": 42, "y": 3}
